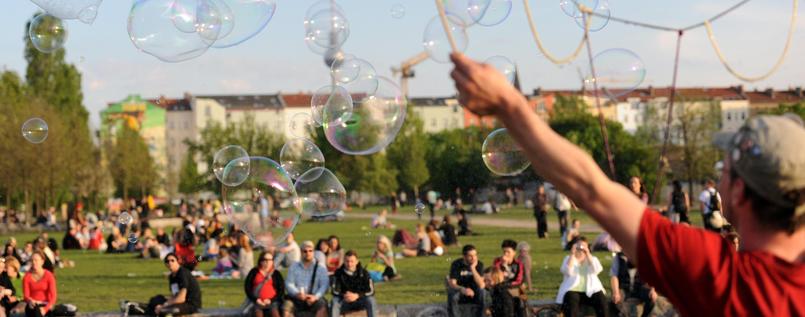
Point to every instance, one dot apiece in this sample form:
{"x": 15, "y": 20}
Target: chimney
{"x": 798, "y": 92}
{"x": 739, "y": 89}
{"x": 188, "y": 96}
{"x": 770, "y": 92}
{"x": 651, "y": 91}
{"x": 537, "y": 91}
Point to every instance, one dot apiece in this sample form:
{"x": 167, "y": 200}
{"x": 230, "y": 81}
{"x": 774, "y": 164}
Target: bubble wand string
{"x": 446, "y": 25}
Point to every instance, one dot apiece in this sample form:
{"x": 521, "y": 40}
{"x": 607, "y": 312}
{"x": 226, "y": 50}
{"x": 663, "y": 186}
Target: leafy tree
{"x": 189, "y": 180}
{"x": 454, "y": 160}
{"x": 407, "y": 153}
{"x": 797, "y": 108}
{"x": 130, "y": 163}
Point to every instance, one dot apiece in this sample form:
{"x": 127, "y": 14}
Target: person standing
{"x": 679, "y": 204}
{"x": 306, "y": 285}
{"x": 352, "y": 288}
{"x": 541, "y": 211}
{"x": 265, "y": 287}
{"x": 710, "y": 202}
{"x": 562, "y": 205}
{"x": 637, "y": 187}
{"x": 698, "y": 271}
{"x": 465, "y": 284}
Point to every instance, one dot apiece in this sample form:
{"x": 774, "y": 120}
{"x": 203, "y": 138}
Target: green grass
{"x": 99, "y": 281}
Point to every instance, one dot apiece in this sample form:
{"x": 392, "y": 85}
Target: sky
{"x": 277, "y": 59}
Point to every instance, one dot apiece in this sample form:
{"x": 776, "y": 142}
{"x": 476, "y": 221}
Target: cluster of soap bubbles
{"x": 601, "y": 10}
{"x": 35, "y": 130}
{"x": 461, "y": 14}
{"x": 178, "y": 30}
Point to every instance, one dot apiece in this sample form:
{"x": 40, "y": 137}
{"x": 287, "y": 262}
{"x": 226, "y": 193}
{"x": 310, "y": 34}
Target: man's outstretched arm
{"x": 484, "y": 91}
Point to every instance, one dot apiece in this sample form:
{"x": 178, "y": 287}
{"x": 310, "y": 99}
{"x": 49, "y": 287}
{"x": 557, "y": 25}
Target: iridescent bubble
{"x": 231, "y": 165}
{"x": 47, "y": 33}
{"x": 265, "y": 206}
{"x": 299, "y": 156}
{"x": 83, "y": 10}
{"x": 133, "y": 238}
{"x": 502, "y": 155}
{"x": 397, "y": 11}
{"x": 302, "y": 125}
{"x": 436, "y": 42}
{"x": 504, "y": 65}
{"x": 124, "y": 218}
{"x": 327, "y": 29}
{"x": 419, "y": 209}
{"x": 571, "y": 9}
{"x": 212, "y": 19}
{"x": 249, "y": 17}
{"x": 464, "y": 10}
{"x": 376, "y": 118}
{"x": 352, "y": 68}
{"x": 495, "y": 12}
{"x": 35, "y": 130}
{"x": 330, "y": 104}
{"x": 618, "y": 71}
{"x": 320, "y": 193}
{"x": 153, "y": 28}
{"x": 597, "y": 22}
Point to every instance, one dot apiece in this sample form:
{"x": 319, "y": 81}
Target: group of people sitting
{"x": 27, "y": 281}
{"x": 428, "y": 239}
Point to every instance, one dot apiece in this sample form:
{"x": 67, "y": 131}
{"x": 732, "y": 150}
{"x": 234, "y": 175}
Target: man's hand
{"x": 469, "y": 292}
{"x": 616, "y": 296}
{"x": 350, "y": 297}
{"x": 482, "y": 89}
{"x": 301, "y": 296}
{"x": 652, "y": 295}
{"x": 310, "y": 299}
{"x": 474, "y": 266}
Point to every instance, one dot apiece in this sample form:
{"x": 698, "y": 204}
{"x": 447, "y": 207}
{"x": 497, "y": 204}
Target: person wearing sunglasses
{"x": 265, "y": 287}
{"x": 306, "y": 285}
{"x": 185, "y": 292}
{"x": 763, "y": 196}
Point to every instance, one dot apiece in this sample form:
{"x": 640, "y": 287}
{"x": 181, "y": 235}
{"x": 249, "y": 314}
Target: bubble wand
{"x": 446, "y": 25}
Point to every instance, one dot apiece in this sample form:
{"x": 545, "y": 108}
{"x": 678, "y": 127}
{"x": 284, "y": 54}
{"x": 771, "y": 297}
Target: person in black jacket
{"x": 265, "y": 287}
{"x": 352, "y": 287}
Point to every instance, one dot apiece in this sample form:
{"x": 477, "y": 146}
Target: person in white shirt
{"x": 581, "y": 285}
{"x": 709, "y": 205}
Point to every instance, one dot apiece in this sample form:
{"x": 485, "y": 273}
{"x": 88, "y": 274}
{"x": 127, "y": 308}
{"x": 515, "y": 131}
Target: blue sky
{"x": 278, "y": 60}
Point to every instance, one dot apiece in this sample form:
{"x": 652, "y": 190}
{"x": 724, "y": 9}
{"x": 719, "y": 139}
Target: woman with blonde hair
{"x": 245, "y": 255}
{"x": 524, "y": 256}
{"x": 384, "y": 255}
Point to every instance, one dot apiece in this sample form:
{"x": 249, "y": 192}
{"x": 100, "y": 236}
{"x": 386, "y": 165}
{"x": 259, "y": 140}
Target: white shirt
{"x": 561, "y": 202}
{"x": 704, "y": 198}
{"x": 571, "y": 278}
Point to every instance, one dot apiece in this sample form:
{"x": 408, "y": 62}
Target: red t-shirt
{"x": 268, "y": 291}
{"x": 703, "y": 275}
{"x": 43, "y": 290}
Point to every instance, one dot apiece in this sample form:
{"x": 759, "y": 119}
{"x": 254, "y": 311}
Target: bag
{"x": 678, "y": 202}
{"x": 376, "y": 267}
{"x": 376, "y": 276}
{"x": 714, "y": 201}
{"x": 64, "y": 310}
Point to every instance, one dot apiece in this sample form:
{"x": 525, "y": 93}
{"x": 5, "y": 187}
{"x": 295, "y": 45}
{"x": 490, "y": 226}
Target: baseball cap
{"x": 308, "y": 244}
{"x": 768, "y": 153}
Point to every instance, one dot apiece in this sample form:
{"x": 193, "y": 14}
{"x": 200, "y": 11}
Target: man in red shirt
{"x": 763, "y": 193}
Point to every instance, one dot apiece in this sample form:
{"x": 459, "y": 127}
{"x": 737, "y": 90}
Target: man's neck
{"x": 790, "y": 248}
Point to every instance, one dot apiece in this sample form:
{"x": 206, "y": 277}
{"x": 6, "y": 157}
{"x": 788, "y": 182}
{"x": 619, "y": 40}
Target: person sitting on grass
{"x": 10, "y": 293}
{"x": 524, "y": 256}
{"x": 225, "y": 267}
{"x": 265, "y": 287}
{"x": 381, "y": 220}
{"x": 306, "y": 285}
{"x": 436, "y": 244}
{"x": 384, "y": 255}
{"x": 423, "y": 243}
{"x": 335, "y": 259}
{"x": 465, "y": 284}
{"x": 322, "y": 250}
{"x": 448, "y": 231}
{"x": 185, "y": 292}
{"x": 289, "y": 254}
{"x": 352, "y": 288}
{"x": 502, "y": 303}
{"x": 626, "y": 283}
{"x": 581, "y": 285}
{"x": 513, "y": 273}
{"x": 39, "y": 287}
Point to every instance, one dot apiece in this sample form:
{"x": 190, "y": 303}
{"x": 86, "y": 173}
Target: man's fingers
{"x": 464, "y": 63}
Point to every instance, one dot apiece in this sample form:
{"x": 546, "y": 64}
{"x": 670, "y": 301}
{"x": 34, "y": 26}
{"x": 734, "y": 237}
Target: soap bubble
{"x": 302, "y": 125}
{"x": 320, "y": 193}
{"x": 504, "y": 65}
{"x": 436, "y": 42}
{"x": 83, "y": 10}
{"x": 495, "y": 12}
{"x": 248, "y": 18}
{"x": 153, "y": 28}
{"x": 597, "y": 22}
{"x": 465, "y": 10}
{"x": 618, "y": 71}
{"x": 211, "y": 19}
{"x": 375, "y": 120}
{"x": 321, "y": 5}
{"x": 419, "y": 209}
{"x": 231, "y": 165}
{"x": 299, "y": 156}
{"x": 571, "y": 9}
{"x": 502, "y": 155}
{"x": 327, "y": 29}
{"x": 265, "y": 206}
{"x": 133, "y": 238}
{"x": 47, "y": 33}
{"x": 331, "y": 104}
{"x": 35, "y": 130}
{"x": 397, "y": 11}
{"x": 351, "y": 68}
{"x": 124, "y": 218}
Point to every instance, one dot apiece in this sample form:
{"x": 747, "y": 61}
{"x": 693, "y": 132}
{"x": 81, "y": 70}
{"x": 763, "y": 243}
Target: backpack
{"x": 714, "y": 201}
{"x": 678, "y": 202}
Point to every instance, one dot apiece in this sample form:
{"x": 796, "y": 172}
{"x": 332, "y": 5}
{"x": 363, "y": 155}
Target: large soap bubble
{"x": 376, "y": 118}
{"x": 321, "y": 5}
{"x": 571, "y": 7}
{"x": 436, "y": 42}
{"x": 331, "y": 104}
{"x": 465, "y": 11}
{"x": 231, "y": 165}
{"x": 35, "y": 130}
{"x": 504, "y": 65}
{"x": 47, "y": 33}
{"x": 249, "y": 18}
{"x": 351, "y": 68}
{"x": 265, "y": 206}
{"x": 327, "y": 29}
{"x": 598, "y": 21}
{"x": 320, "y": 193}
{"x": 212, "y": 19}
{"x": 490, "y": 12}
{"x": 153, "y": 28}
{"x": 83, "y": 10}
{"x": 302, "y": 125}
{"x": 502, "y": 155}
{"x": 299, "y": 156}
{"x": 618, "y": 72}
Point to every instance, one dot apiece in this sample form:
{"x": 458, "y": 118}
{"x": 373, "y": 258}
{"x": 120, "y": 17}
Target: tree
{"x": 189, "y": 180}
{"x": 407, "y": 153}
{"x": 797, "y": 109}
{"x": 130, "y": 163}
{"x": 454, "y": 160}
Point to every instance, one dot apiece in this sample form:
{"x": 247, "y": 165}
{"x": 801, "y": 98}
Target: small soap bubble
{"x": 124, "y": 218}
{"x": 419, "y": 209}
{"x": 331, "y": 104}
{"x": 133, "y": 238}
{"x": 502, "y": 155}
{"x": 300, "y": 155}
{"x": 35, "y": 130}
{"x": 490, "y": 12}
{"x": 302, "y": 125}
{"x": 47, "y": 33}
{"x": 397, "y": 11}
{"x": 231, "y": 165}
{"x": 320, "y": 193}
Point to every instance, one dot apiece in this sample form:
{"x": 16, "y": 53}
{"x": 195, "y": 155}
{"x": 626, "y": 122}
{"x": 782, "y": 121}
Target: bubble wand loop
{"x": 446, "y": 25}
{"x": 548, "y": 55}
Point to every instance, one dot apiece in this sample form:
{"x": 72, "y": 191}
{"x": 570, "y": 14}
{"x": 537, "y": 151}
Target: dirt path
{"x": 527, "y": 223}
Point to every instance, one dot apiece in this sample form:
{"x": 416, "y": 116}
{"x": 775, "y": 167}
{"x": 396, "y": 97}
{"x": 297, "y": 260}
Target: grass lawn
{"x": 99, "y": 281}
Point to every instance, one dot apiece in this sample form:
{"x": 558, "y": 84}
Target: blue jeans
{"x": 454, "y": 297}
{"x": 366, "y": 303}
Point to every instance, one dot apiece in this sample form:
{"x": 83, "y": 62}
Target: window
{"x": 445, "y": 122}
{"x": 207, "y": 111}
{"x": 729, "y": 116}
{"x": 432, "y": 122}
{"x": 455, "y": 123}
{"x": 743, "y": 115}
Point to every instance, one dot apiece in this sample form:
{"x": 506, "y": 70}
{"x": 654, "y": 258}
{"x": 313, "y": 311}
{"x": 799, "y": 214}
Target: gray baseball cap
{"x": 768, "y": 153}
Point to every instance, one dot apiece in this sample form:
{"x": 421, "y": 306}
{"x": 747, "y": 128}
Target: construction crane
{"x": 406, "y": 70}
